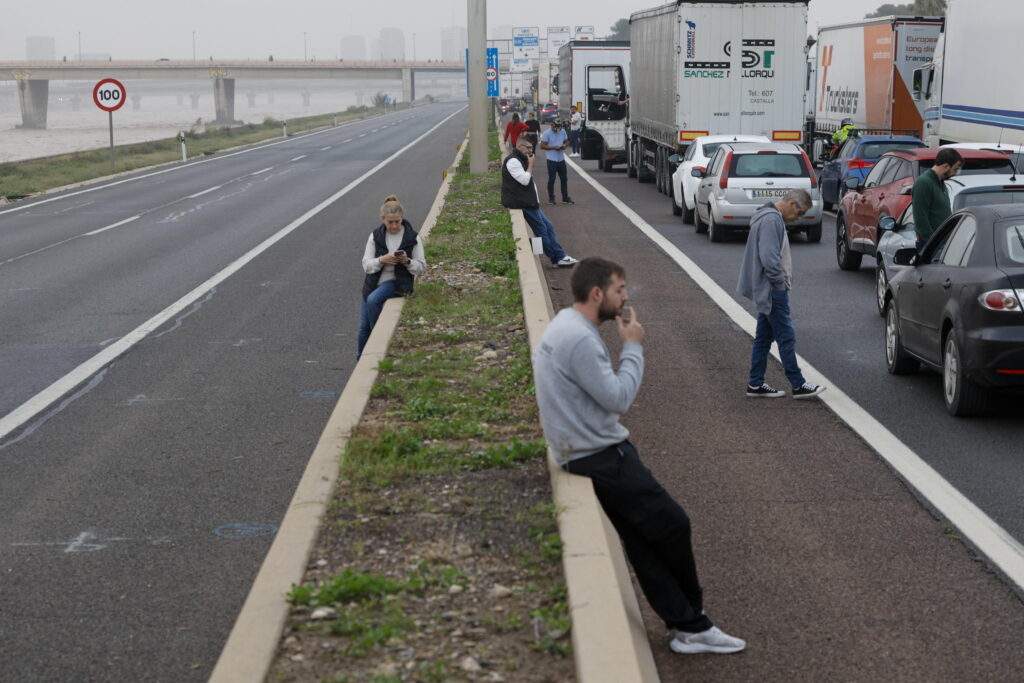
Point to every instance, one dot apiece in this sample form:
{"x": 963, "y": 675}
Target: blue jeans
{"x": 574, "y": 141}
{"x": 775, "y": 326}
{"x": 370, "y": 311}
{"x": 543, "y": 229}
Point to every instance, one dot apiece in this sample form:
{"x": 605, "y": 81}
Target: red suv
{"x": 886, "y": 192}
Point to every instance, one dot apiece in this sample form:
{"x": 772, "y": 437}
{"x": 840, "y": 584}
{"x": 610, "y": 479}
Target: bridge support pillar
{"x": 224, "y": 100}
{"x": 34, "y": 96}
{"x": 408, "y": 85}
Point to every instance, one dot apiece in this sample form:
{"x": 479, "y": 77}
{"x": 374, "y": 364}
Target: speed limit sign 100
{"x": 109, "y": 94}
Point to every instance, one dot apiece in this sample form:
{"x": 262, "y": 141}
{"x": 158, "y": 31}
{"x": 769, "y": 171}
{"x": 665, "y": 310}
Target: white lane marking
{"x": 344, "y": 141}
{"x": 112, "y": 226}
{"x": 191, "y": 164}
{"x": 363, "y": 135}
{"x": 40, "y": 250}
{"x": 44, "y": 398}
{"x": 324, "y": 149}
{"x": 200, "y": 194}
{"x": 375, "y": 130}
{"x": 988, "y": 537}
{"x": 262, "y": 170}
{"x": 301, "y": 156}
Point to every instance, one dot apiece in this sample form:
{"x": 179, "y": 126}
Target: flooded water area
{"x": 158, "y": 109}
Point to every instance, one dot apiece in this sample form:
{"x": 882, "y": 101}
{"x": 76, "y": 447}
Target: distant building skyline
{"x": 390, "y": 44}
{"x": 454, "y": 41}
{"x": 353, "y": 48}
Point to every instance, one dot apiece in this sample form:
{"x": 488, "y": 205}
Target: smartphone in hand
{"x": 400, "y": 254}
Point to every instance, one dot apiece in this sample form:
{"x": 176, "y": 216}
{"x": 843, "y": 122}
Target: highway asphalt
{"x": 136, "y": 510}
{"x": 840, "y": 332}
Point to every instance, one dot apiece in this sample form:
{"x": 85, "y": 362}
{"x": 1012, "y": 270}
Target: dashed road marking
{"x": 262, "y": 170}
{"x": 301, "y": 156}
{"x": 112, "y": 226}
{"x": 200, "y": 194}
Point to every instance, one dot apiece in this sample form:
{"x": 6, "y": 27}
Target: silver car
{"x": 963, "y": 191}
{"x": 742, "y": 178}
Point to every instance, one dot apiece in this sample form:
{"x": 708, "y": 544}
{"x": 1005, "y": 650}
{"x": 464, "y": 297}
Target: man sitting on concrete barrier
{"x": 519, "y": 191}
{"x": 581, "y": 398}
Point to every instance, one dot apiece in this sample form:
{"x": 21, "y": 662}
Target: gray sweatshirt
{"x": 580, "y": 396}
{"x": 767, "y": 263}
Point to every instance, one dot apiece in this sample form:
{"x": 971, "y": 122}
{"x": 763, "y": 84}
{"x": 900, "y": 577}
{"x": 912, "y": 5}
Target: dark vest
{"x": 513, "y": 194}
{"x": 403, "y": 278}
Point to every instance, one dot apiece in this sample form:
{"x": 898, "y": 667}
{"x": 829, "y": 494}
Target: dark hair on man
{"x": 948, "y": 155}
{"x": 593, "y": 272}
{"x": 515, "y": 118}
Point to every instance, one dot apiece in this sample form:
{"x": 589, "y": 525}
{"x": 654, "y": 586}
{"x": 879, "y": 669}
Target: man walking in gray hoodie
{"x": 766, "y": 278}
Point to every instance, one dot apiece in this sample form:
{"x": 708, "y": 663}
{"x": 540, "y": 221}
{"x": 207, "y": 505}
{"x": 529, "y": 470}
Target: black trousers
{"x": 655, "y": 533}
{"x": 557, "y": 168}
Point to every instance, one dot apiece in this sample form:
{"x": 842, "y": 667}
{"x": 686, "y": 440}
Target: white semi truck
{"x": 864, "y": 73}
{"x": 592, "y": 76}
{"x": 969, "y": 95}
{"x": 713, "y": 67}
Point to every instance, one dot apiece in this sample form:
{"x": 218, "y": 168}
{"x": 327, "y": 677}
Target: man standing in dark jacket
{"x": 931, "y": 202}
{"x": 519, "y": 191}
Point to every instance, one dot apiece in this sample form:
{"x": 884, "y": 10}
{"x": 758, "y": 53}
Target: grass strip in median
{"x": 439, "y": 557}
{"x": 19, "y": 179}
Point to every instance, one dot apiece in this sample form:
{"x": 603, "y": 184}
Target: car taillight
{"x": 854, "y": 164}
{"x": 810, "y": 169}
{"x": 724, "y": 181}
{"x": 1000, "y": 300}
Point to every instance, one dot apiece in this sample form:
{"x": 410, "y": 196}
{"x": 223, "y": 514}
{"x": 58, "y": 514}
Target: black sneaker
{"x": 551, "y": 201}
{"x": 807, "y": 390}
{"x": 568, "y": 201}
{"x": 764, "y": 391}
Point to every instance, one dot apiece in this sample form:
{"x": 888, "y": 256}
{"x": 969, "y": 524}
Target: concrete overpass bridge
{"x": 33, "y": 78}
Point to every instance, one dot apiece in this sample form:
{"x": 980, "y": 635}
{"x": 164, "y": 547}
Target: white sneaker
{"x": 567, "y": 262}
{"x": 713, "y": 640}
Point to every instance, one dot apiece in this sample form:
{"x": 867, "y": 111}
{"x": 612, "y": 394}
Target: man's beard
{"x": 607, "y": 311}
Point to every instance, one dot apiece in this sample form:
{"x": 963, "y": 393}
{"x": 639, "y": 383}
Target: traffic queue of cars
{"x": 957, "y": 307}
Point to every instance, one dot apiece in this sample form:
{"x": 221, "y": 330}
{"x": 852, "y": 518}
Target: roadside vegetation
{"x": 19, "y": 179}
{"x": 439, "y": 557}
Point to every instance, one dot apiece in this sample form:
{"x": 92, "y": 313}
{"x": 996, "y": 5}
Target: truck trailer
{"x": 709, "y": 68}
{"x": 592, "y": 76}
{"x": 968, "y": 96}
{"x": 865, "y": 73}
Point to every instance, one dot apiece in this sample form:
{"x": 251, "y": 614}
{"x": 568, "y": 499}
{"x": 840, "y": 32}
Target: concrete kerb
{"x": 252, "y": 644}
{"x": 610, "y": 643}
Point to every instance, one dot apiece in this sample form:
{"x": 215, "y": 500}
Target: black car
{"x": 958, "y": 307}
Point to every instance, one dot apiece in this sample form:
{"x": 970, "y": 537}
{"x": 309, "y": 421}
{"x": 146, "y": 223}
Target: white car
{"x": 697, "y": 155}
{"x": 1015, "y": 152}
{"x": 963, "y": 191}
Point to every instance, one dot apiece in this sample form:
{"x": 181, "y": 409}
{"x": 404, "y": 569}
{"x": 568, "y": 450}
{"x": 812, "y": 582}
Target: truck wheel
{"x": 676, "y": 210}
{"x": 847, "y": 259}
{"x": 606, "y": 160}
{"x": 600, "y": 162}
{"x": 715, "y": 231}
{"x": 643, "y": 172}
{"x": 813, "y": 233}
{"x": 962, "y": 396}
{"x": 631, "y": 159}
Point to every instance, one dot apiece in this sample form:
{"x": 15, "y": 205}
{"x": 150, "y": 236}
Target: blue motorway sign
{"x": 493, "y": 77}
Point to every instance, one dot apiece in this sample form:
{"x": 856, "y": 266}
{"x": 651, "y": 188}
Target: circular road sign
{"x": 109, "y": 94}
{"x": 492, "y": 73}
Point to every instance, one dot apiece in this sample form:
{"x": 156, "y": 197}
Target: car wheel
{"x": 715, "y": 231}
{"x": 896, "y": 359}
{"x": 826, "y": 206}
{"x": 689, "y": 214}
{"x": 813, "y": 233}
{"x": 676, "y": 209}
{"x": 699, "y": 226}
{"x": 962, "y": 396}
{"x": 881, "y": 284}
{"x": 847, "y": 259}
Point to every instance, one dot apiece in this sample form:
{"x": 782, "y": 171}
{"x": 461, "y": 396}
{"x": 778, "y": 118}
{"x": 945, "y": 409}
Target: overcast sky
{"x": 142, "y": 29}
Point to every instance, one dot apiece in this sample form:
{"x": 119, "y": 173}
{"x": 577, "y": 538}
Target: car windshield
{"x": 1010, "y": 245}
{"x": 974, "y": 166}
{"x": 987, "y": 197}
{"x": 873, "y": 150}
{"x": 768, "y": 166}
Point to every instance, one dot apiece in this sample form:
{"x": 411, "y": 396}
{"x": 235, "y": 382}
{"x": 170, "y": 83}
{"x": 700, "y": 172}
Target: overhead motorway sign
{"x": 584, "y": 32}
{"x": 525, "y": 47}
{"x": 557, "y": 37}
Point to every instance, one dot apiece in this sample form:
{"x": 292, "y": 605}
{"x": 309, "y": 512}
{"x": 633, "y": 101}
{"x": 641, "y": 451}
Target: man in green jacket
{"x": 931, "y": 202}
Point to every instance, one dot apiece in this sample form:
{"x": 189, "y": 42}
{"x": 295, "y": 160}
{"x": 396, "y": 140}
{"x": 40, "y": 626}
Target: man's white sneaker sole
{"x": 701, "y": 648}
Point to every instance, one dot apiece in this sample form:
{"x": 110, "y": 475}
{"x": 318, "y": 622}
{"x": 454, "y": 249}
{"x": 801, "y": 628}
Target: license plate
{"x": 770, "y": 193}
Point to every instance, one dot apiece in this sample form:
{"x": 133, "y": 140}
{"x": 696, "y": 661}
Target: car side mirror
{"x": 852, "y": 183}
{"x": 675, "y": 159}
{"x": 886, "y": 223}
{"x": 698, "y": 172}
{"x": 905, "y": 257}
